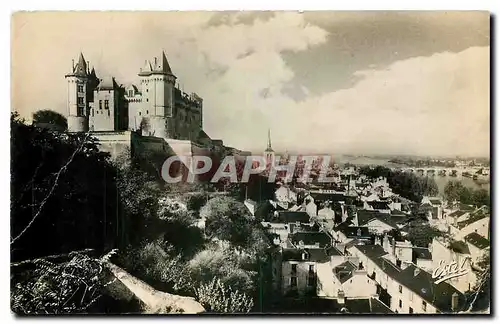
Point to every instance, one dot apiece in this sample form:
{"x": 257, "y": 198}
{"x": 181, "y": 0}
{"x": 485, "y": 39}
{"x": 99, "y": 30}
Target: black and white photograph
{"x": 250, "y": 162}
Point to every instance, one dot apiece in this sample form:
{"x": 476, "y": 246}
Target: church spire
{"x": 268, "y": 138}
{"x": 269, "y": 148}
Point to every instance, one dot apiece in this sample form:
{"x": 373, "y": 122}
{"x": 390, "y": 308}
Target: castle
{"x": 155, "y": 108}
{"x": 155, "y": 116}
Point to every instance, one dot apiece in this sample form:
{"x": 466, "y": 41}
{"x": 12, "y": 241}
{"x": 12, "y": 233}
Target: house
{"x": 437, "y": 207}
{"x": 474, "y": 222}
{"x": 406, "y": 288}
{"x": 283, "y": 223}
{"x": 422, "y": 257}
{"x": 285, "y": 195}
{"x": 352, "y": 281}
{"x": 340, "y": 305}
{"x": 445, "y": 252}
{"x": 302, "y": 268}
{"x": 477, "y": 245}
{"x": 457, "y": 216}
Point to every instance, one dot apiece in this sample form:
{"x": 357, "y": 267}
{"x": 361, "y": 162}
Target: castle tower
{"x": 78, "y": 97}
{"x": 157, "y": 85}
{"x": 269, "y": 153}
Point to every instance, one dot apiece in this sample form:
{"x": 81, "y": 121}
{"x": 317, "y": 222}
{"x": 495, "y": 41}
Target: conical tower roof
{"x": 80, "y": 67}
{"x": 162, "y": 65}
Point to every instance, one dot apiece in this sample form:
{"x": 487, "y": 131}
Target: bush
{"x": 220, "y": 298}
{"x": 72, "y": 287}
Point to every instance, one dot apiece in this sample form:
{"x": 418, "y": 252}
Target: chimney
{"x": 386, "y": 244}
{"x": 454, "y": 302}
{"x": 416, "y": 271}
{"x": 72, "y": 65}
{"x": 341, "y": 297}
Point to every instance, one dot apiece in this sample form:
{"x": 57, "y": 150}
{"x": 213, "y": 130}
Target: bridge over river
{"x": 469, "y": 172}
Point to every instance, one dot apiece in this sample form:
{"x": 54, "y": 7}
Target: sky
{"x": 332, "y": 82}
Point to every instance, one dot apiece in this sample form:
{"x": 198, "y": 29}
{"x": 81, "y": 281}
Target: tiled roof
{"x": 344, "y": 271}
{"x": 435, "y": 201}
{"x": 472, "y": 219}
{"x": 458, "y": 213}
{"x": 466, "y": 207}
{"x": 422, "y": 253}
{"x": 353, "y": 231}
{"x": 477, "y": 240}
{"x": 332, "y": 306}
{"x": 364, "y": 216}
{"x": 459, "y": 247}
{"x": 420, "y": 282}
{"x": 293, "y": 216}
{"x": 311, "y": 238}
{"x": 315, "y": 255}
{"x": 108, "y": 83}
{"x": 333, "y": 197}
{"x": 378, "y": 204}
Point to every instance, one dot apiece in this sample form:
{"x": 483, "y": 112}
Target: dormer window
{"x": 131, "y": 93}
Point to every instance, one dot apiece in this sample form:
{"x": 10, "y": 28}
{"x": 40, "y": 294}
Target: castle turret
{"x": 78, "y": 99}
{"x": 157, "y": 85}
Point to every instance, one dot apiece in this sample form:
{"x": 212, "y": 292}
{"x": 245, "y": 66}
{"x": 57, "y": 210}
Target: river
{"x": 441, "y": 181}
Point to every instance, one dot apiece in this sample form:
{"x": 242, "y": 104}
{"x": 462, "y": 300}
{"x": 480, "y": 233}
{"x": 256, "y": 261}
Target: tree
{"x": 62, "y": 188}
{"x": 422, "y": 234}
{"x": 50, "y": 119}
{"x": 456, "y": 191}
{"x": 227, "y": 219}
{"x": 481, "y": 197}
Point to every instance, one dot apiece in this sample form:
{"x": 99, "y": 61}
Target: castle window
{"x": 80, "y": 100}
{"x": 139, "y": 113}
{"x": 147, "y": 100}
{"x": 92, "y": 112}
{"x": 100, "y": 104}
{"x": 80, "y": 88}
{"x": 147, "y": 90}
{"x": 147, "y": 112}
{"x": 79, "y": 112}
{"x": 131, "y": 93}
{"x": 106, "y": 104}
{"x": 108, "y": 113}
